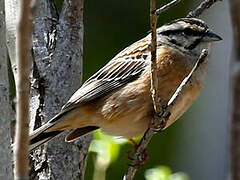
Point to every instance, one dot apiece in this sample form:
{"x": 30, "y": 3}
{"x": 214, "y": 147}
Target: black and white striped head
{"x": 189, "y": 35}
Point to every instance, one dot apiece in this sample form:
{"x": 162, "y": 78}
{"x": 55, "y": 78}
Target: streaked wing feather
{"x": 125, "y": 67}
{"x": 113, "y": 75}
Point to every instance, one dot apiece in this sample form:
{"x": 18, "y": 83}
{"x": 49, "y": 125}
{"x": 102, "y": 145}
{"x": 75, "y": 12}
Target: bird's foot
{"x": 138, "y": 158}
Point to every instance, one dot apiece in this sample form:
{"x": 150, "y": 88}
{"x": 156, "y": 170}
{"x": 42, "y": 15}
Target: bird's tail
{"x": 39, "y": 137}
{"x": 47, "y": 132}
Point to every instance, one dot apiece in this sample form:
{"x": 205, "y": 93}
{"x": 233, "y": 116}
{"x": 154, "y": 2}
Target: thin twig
{"x": 154, "y": 77}
{"x": 202, "y": 7}
{"x": 154, "y": 90}
{"x": 166, "y": 7}
{"x": 23, "y": 87}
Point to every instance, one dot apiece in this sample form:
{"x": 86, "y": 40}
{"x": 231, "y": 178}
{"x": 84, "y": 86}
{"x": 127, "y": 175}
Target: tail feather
{"x": 42, "y": 138}
{"x": 47, "y": 132}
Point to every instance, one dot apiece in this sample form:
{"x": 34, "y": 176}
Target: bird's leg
{"x": 157, "y": 125}
{"x": 131, "y": 152}
{"x": 134, "y": 143}
{"x": 141, "y": 157}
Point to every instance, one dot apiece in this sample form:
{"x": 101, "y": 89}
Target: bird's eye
{"x": 190, "y": 32}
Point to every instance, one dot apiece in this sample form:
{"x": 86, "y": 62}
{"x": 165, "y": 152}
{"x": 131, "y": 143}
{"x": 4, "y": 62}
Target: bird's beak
{"x": 211, "y": 36}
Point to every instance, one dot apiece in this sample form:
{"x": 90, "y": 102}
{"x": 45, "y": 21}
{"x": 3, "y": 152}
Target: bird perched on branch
{"x": 118, "y": 99}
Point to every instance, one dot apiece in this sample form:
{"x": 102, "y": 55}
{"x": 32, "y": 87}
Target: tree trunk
{"x": 11, "y": 9}
{"x": 5, "y": 108}
{"x": 57, "y": 72}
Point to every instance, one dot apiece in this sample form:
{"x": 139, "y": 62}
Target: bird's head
{"x": 188, "y": 35}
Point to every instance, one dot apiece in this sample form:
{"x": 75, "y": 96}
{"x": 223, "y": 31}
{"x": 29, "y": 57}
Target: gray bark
{"x": 11, "y": 10}
{"x": 57, "y": 72}
{"x": 5, "y": 108}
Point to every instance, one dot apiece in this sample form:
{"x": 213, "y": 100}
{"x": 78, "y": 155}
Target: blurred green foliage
{"x": 110, "y": 26}
{"x": 106, "y": 151}
{"x": 164, "y": 173}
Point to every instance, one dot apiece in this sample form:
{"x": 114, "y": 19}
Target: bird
{"x": 117, "y": 98}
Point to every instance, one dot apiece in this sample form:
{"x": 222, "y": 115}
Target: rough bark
{"x": 5, "y": 108}
{"x": 11, "y": 10}
{"x": 235, "y": 133}
{"x": 57, "y": 71}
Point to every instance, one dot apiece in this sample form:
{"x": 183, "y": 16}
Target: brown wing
{"x": 127, "y": 66}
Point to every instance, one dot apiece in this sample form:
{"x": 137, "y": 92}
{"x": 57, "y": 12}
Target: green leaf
{"x": 179, "y": 176}
{"x": 158, "y": 173}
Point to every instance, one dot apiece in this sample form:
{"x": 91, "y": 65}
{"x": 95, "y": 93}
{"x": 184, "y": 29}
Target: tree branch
{"x": 154, "y": 77}
{"x": 202, "y": 7}
{"x": 195, "y": 13}
{"x": 22, "y": 127}
{"x": 166, "y": 7}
